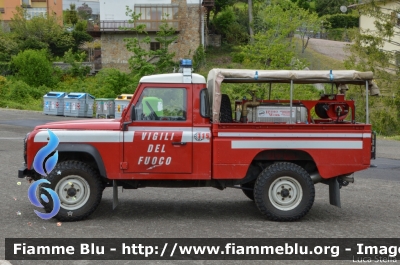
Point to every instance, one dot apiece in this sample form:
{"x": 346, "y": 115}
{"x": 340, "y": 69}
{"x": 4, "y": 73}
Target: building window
{"x": 37, "y": 11}
{"x": 154, "y": 46}
{"x": 26, "y": 3}
{"x": 152, "y": 15}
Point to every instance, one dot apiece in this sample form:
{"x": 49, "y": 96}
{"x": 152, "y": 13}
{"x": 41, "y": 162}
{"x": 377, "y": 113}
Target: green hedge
{"x": 342, "y": 21}
{"x": 338, "y": 34}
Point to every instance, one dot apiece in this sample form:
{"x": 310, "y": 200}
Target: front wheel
{"x": 284, "y": 192}
{"x": 78, "y": 187}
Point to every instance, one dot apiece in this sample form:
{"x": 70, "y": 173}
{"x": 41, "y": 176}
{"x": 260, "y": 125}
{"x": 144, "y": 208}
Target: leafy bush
{"x": 199, "y": 58}
{"x": 75, "y": 61}
{"x": 34, "y": 68}
{"x": 238, "y": 57}
{"x": 112, "y": 82}
{"x": 232, "y": 24}
{"x": 17, "y": 94}
{"x": 40, "y": 32}
{"x": 8, "y": 47}
{"x": 223, "y": 19}
{"x": 338, "y": 34}
{"x": 108, "y": 83}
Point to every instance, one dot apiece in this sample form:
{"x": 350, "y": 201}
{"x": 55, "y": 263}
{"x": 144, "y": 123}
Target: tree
{"x": 138, "y": 62}
{"x": 271, "y": 49}
{"x": 80, "y": 34}
{"x": 250, "y": 7}
{"x": 71, "y": 15}
{"x": 329, "y": 7}
{"x": 165, "y": 36}
{"x": 305, "y": 4}
{"x": 275, "y": 25}
{"x": 371, "y": 51}
{"x": 219, "y": 5}
{"x": 85, "y": 11}
{"x": 232, "y": 24}
{"x": 40, "y": 32}
{"x": 308, "y": 24}
{"x": 8, "y": 47}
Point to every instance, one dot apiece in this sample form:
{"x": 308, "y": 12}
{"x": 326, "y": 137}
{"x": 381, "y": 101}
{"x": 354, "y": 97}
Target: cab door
{"x": 160, "y": 138}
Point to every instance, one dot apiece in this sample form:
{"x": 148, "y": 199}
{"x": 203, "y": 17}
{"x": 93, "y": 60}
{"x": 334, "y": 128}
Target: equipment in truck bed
{"x": 338, "y": 77}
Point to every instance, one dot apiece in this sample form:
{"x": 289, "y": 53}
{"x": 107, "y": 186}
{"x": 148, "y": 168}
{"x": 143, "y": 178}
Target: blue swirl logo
{"x": 43, "y": 164}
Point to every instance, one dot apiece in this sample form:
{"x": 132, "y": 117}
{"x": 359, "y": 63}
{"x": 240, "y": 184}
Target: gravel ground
{"x": 387, "y": 149}
{"x": 334, "y": 49}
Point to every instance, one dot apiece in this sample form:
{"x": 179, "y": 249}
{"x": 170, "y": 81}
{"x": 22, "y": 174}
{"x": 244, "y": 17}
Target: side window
{"x": 162, "y": 104}
{"x": 204, "y": 104}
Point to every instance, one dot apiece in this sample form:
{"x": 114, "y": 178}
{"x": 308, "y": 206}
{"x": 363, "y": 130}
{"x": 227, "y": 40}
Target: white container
{"x": 278, "y": 114}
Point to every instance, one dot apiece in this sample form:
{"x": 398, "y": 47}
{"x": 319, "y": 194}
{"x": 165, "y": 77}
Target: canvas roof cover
{"x": 217, "y": 76}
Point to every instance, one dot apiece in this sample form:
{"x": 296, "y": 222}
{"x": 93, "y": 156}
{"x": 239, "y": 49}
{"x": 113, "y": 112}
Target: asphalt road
{"x": 370, "y": 206}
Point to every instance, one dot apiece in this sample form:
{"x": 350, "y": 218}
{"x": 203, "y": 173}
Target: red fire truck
{"x": 179, "y": 130}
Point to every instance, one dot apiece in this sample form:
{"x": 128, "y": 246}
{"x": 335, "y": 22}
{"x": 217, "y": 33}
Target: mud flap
{"x": 334, "y": 192}
{"x": 115, "y": 194}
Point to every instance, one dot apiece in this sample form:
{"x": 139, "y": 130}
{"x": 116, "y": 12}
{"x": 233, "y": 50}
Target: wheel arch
{"x": 82, "y": 152}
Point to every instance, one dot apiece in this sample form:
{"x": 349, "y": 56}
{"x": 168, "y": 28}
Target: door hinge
{"x": 123, "y": 165}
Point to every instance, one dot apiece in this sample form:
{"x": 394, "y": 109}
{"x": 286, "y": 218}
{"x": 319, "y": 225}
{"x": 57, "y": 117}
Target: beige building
{"x": 33, "y": 8}
{"x": 387, "y": 7}
{"x": 186, "y": 16}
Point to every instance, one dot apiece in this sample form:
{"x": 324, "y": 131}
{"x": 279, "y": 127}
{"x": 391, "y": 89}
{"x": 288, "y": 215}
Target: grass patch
{"x": 316, "y": 60}
{"x": 393, "y": 138}
{"x": 31, "y": 104}
{"x": 219, "y": 57}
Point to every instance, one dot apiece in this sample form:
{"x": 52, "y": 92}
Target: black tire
{"x": 225, "y": 110}
{"x": 78, "y": 187}
{"x": 270, "y": 192}
{"x": 249, "y": 193}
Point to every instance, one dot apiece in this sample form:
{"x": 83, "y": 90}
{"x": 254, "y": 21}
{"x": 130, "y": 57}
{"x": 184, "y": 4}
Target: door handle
{"x": 178, "y": 143}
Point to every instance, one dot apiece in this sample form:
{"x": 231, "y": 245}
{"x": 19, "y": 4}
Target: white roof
{"x": 176, "y": 78}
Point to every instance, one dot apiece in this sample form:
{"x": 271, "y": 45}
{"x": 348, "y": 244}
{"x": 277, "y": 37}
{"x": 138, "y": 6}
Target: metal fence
{"x": 124, "y": 25}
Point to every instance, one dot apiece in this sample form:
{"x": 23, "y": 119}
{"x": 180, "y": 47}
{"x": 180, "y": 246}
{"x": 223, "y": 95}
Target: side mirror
{"x": 133, "y": 117}
{"x": 133, "y": 113}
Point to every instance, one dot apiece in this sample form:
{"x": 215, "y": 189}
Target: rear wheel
{"x": 78, "y": 187}
{"x": 284, "y": 192}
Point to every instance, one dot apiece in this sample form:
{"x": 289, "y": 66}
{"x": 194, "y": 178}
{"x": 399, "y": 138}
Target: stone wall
{"x": 189, "y": 37}
{"x": 114, "y": 52}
